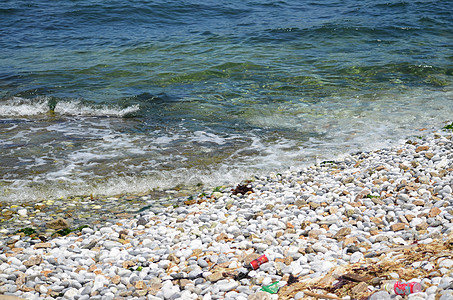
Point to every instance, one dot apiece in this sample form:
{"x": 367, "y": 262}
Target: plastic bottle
{"x": 402, "y": 288}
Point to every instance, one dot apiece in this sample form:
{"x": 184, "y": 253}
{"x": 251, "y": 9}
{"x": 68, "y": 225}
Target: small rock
{"x": 140, "y": 285}
{"x": 403, "y": 167}
{"x": 202, "y": 263}
{"x": 380, "y": 295}
{"x": 422, "y": 226}
{"x": 154, "y": 287}
{"x": 58, "y": 224}
{"x": 300, "y": 202}
{"x": 214, "y": 277}
{"x": 217, "y": 195}
{"x": 260, "y": 247}
{"x": 128, "y": 264}
{"x": 356, "y": 257}
{"x": 352, "y": 249}
{"x": 21, "y": 279}
{"x": 71, "y": 293}
{"x": 428, "y": 267}
{"x": 359, "y": 289}
{"x": 109, "y": 245}
{"x": 435, "y": 211}
{"x": 22, "y": 212}
{"x": 429, "y": 155}
{"x": 421, "y": 148}
{"x": 342, "y": 233}
{"x": 142, "y": 221}
{"x": 446, "y": 296}
{"x": 42, "y": 245}
{"x": 172, "y": 257}
{"x": 446, "y": 263}
{"x": 377, "y": 221}
{"x": 178, "y": 275}
{"x": 423, "y": 179}
{"x": 168, "y": 291}
{"x": 318, "y": 247}
{"x": 222, "y": 237}
{"x": 90, "y": 245}
{"x": 137, "y": 293}
{"x": 249, "y": 258}
{"x": 86, "y": 290}
{"x": 184, "y": 282}
{"x": 418, "y": 202}
{"x": 397, "y": 226}
{"x": 227, "y": 285}
{"x": 260, "y": 296}
{"x": 348, "y": 180}
{"x": 33, "y": 261}
{"x": 116, "y": 279}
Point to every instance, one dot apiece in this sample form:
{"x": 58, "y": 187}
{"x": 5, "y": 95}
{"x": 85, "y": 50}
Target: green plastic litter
{"x": 271, "y": 288}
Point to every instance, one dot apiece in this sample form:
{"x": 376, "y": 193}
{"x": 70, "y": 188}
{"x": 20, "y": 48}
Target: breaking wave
{"x": 23, "y": 107}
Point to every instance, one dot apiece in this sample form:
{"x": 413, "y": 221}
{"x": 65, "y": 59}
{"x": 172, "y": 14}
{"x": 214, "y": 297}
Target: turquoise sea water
{"x": 109, "y": 97}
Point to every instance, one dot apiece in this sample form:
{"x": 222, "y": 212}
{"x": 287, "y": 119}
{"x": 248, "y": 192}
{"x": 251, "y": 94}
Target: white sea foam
{"x": 166, "y": 139}
{"x": 202, "y": 136}
{"x": 78, "y": 108}
{"x": 22, "y": 107}
{"x": 17, "y": 106}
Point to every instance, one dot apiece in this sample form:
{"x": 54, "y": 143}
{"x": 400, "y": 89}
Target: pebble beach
{"x": 339, "y": 229}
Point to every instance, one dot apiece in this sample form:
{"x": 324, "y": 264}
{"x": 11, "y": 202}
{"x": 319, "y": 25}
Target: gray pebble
{"x": 380, "y": 295}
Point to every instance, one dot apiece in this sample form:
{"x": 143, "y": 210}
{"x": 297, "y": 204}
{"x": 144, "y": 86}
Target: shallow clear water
{"x": 109, "y": 97}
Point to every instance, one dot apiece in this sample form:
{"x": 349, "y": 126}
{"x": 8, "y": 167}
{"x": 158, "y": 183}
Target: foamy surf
{"x": 23, "y": 107}
{"x": 52, "y": 157}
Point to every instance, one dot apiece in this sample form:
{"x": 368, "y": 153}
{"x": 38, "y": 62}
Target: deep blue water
{"x": 127, "y": 96}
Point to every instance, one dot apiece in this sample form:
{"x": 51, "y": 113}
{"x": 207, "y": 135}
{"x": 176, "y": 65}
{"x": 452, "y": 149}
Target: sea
{"x": 108, "y": 97}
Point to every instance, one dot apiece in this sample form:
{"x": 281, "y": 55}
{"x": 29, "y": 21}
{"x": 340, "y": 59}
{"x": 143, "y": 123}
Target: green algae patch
{"x": 448, "y": 127}
{"x": 27, "y": 231}
{"x": 66, "y": 231}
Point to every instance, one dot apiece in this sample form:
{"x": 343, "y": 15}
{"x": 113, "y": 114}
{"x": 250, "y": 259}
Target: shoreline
{"x": 96, "y": 210}
{"x": 315, "y": 225}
